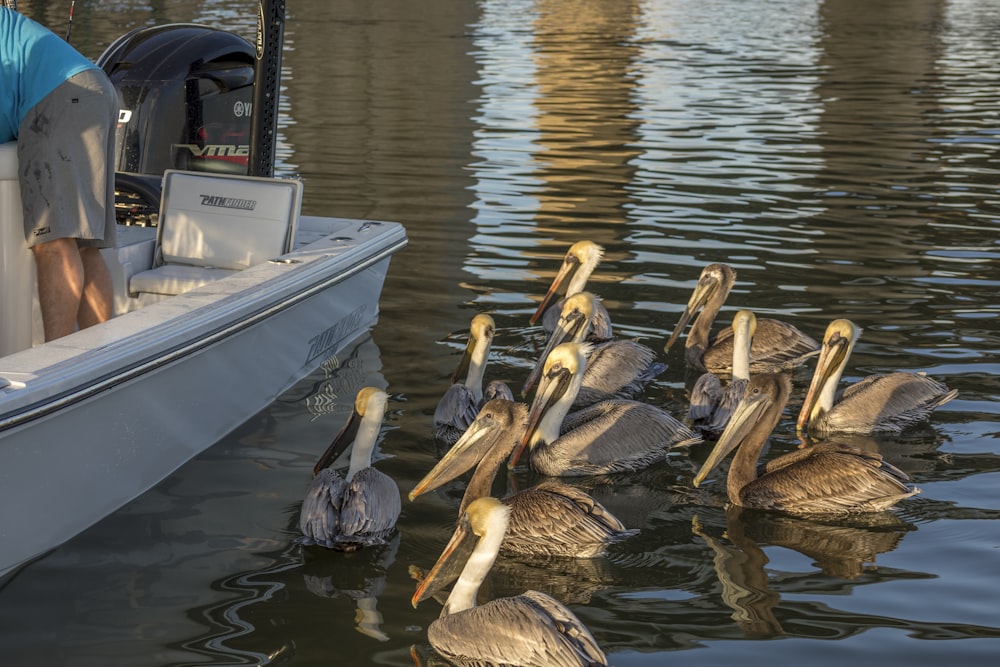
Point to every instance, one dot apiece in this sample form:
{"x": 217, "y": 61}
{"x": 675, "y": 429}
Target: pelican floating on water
{"x": 776, "y": 345}
{"x": 825, "y": 478}
{"x": 615, "y": 368}
{"x": 580, "y": 261}
{"x": 460, "y": 403}
{"x": 614, "y": 435}
{"x": 529, "y": 629}
{"x": 711, "y": 404}
{"x": 360, "y": 509}
{"x": 550, "y": 518}
{"x": 883, "y": 403}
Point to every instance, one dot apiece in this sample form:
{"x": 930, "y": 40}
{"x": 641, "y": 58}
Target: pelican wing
{"x": 776, "y": 346}
{"x": 554, "y": 518}
{"x": 885, "y": 403}
{"x": 612, "y": 436}
{"x": 618, "y": 368}
{"x": 705, "y": 396}
{"x": 529, "y": 629}
{"x": 455, "y": 411}
{"x": 370, "y": 509}
{"x": 319, "y": 517}
{"x": 828, "y": 478}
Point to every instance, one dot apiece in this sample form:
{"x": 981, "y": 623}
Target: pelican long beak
{"x": 832, "y": 357}
{"x": 744, "y": 418}
{"x": 559, "y": 285}
{"x": 466, "y": 453}
{"x": 449, "y": 565}
{"x": 463, "y": 365}
{"x": 550, "y": 390}
{"x": 567, "y": 330}
{"x": 340, "y": 443}
{"x": 698, "y": 299}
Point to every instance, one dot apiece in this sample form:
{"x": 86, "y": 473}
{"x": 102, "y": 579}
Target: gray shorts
{"x": 66, "y": 163}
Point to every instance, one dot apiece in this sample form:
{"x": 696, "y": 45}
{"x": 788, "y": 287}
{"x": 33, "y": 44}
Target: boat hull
{"x": 91, "y": 421}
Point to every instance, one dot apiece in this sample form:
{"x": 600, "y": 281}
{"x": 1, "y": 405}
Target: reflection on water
{"x": 840, "y": 155}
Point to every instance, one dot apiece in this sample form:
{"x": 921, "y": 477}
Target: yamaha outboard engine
{"x": 186, "y": 94}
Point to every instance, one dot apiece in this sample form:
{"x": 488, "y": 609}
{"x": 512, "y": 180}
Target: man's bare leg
{"x": 97, "y": 300}
{"x": 60, "y": 285}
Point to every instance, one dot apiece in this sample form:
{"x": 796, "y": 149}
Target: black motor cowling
{"x": 186, "y": 94}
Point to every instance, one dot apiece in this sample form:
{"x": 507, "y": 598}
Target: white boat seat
{"x": 212, "y": 225}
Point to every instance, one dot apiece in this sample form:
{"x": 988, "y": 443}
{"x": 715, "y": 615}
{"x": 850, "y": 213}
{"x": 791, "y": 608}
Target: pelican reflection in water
{"x": 360, "y": 509}
{"x": 819, "y": 479}
{"x": 580, "y": 261}
{"x": 529, "y": 629}
{"x": 776, "y": 345}
{"x": 614, "y": 435}
{"x": 460, "y": 403}
{"x": 883, "y": 403}
{"x": 711, "y": 405}
{"x": 616, "y": 368}
{"x": 550, "y": 518}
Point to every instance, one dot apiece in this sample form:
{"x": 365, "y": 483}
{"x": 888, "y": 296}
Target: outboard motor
{"x": 186, "y": 94}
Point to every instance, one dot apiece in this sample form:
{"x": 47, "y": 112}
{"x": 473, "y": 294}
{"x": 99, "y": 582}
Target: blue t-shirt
{"x": 33, "y": 62}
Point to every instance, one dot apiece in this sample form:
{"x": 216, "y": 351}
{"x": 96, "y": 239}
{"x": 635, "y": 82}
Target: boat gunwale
{"x": 240, "y": 315}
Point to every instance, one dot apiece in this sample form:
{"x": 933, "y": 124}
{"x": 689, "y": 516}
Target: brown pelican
{"x": 825, "y": 478}
{"x": 776, "y": 346}
{"x": 359, "y": 509}
{"x": 580, "y": 261}
{"x": 615, "y": 435}
{"x": 711, "y": 405}
{"x": 551, "y": 518}
{"x": 529, "y": 629}
{"x": 884, "y": 403}
{"x": 615, "y": 368}
{"x": 460, "y": 403}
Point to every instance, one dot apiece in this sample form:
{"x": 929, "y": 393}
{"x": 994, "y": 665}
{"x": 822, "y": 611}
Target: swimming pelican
{"x": 615, "y": 368}
{"x": 825, "y": 478}
{"x": 711, "y": 405}
{"x": 614, "y": 435}
{"x": 550, "y": 518}
{"x": 580, "y": 261}
{"x": 359, "y": 509}
{"x": 776, "y": 346}
{"x": 529, "y": 629}
{"x": 460, "y": 403}
{"x": 883, "y": 403}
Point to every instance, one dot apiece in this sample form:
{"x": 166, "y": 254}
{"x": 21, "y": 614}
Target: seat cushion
{"x": 173, "y": 279}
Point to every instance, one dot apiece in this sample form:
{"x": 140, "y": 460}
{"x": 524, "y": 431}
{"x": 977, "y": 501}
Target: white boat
{"x": 90, "y": 421}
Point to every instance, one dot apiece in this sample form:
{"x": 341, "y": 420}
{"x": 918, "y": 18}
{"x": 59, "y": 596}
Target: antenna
{"x": 69, "y": 28}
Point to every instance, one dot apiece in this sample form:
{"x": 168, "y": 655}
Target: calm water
{"x": 843, "y": 156}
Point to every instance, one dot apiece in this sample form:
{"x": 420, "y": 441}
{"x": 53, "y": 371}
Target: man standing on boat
{"x": 62, "y": 109}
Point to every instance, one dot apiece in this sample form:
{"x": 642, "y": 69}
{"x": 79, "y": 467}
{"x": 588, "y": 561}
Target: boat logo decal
{"x": 326, "y": 340}
{"x": 228, "y": 202}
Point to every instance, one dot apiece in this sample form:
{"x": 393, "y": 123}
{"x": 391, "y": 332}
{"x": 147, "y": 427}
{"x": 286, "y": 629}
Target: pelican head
{"x": 482, "y": 526}
{"x": 580, "y": 261}
{"x": 760, "y": 408}
{"x": 838, "y": 343}
{"x": 561, "y": 378}
{"x": 713, "y": 286}
{"x": 574, "y": 325}
{"x": 497, "y": 419}
{"x": 477, "y": 349}
{"x": 369, "y": 408}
